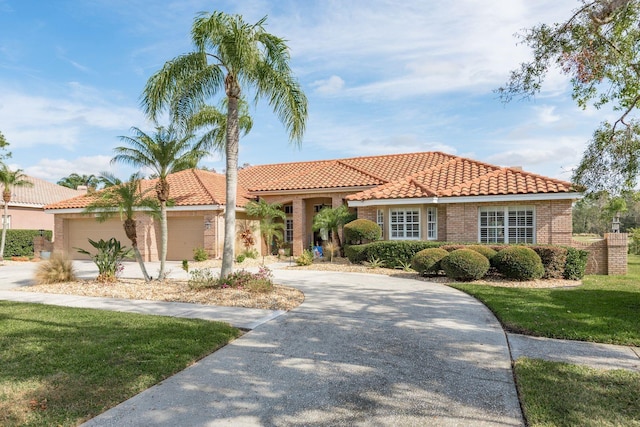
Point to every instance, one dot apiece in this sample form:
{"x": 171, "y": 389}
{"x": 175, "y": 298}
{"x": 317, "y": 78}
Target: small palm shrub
{"x": 108, "y": 259}
{"x": 484, "y": 250}
{"x": 519, "y": 263}
{"x": 465, "y": 265}
{"x": 361, "y": 231}
{"x": 428, "y": 260}
{"x": 199, "y": 254}
{"x": 57, "y": 269}
{"x": 306, "y": 258}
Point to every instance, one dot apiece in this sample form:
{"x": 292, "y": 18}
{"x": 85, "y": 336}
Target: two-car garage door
{"x": 185, "y": 234}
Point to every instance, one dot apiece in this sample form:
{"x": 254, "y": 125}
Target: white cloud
{"x": 546, "y": 114}
{"x": 55, "y": 169}
{"x": 330, "y": 86}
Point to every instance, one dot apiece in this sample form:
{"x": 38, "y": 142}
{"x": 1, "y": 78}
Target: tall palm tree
{"x": 74, "y": 180}
{"x": 268, "y": 213}
{"x": 124, "y": 198}
{"x": 164, "y": 152}
{"x": 9, "y": 179}
{"x": 229, "y": 55}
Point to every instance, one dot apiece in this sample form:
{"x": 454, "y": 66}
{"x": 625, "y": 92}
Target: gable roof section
{"x": 40, "y": 194}
{"x": 459, "y": 176}
{"x": 192, "y": 187}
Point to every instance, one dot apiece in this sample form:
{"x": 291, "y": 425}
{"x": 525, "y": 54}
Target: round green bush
{"x": 484, "y": 250}
{"x": 465, "y": 265}
{"x": 428, "y": 260}
{"x": 361, "y": 231}
{"x": 519, "y": 263}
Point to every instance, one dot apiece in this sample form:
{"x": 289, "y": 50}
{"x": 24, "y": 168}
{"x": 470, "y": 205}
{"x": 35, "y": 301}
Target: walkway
{"x": 361, "y": 350}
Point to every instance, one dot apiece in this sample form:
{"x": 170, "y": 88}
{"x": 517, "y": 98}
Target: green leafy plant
{"x": 306, "y": 258}
{"x": 374, "y": 262}
{"x": 185, "y": 265}
{"x": 199, "y": 254}
{"x": 57, "y": 269}
{"x": 108, "y": 259}
{"x": 465, "y": 265}
{"x": 576, "y": 264}
{"x": 428, "y": 260}
{"x": 519, "y": 263}
{"x": 202, "y": 278}
{"x": 250, "y": 253}
{"x": 405, "y": 266}
{"x": 240, "y": 258}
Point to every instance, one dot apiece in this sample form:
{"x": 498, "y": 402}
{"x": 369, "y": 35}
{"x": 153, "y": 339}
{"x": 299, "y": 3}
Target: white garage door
{"x": 185, "y": 235}
{"x": 78, "y": 230}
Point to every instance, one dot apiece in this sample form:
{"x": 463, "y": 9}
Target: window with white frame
{"x": 380, "y": 220}
{"x": 404, "y": 224}
{"x": 288, "y": 230}
{"x": 432, "y": 223}
{"x": 515, "y": 224}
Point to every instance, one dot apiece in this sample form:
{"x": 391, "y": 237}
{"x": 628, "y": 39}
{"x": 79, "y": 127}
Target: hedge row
{"x": 558, "y": 261}
{"x": 20, "y": 242}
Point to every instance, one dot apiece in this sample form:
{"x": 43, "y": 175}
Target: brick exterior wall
{"x": 607, "y": 256}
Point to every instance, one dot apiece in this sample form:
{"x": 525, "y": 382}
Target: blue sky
{"x": 382, "y": 76}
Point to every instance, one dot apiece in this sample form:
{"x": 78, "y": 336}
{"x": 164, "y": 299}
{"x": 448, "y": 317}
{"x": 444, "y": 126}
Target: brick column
{"x": 616, "y": 253}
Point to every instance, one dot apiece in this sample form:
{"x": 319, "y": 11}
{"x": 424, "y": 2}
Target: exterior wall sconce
{"x": 207, "y": 225}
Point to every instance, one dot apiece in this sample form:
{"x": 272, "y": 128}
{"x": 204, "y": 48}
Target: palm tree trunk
{"x": 136, "y": 253}
{"x": 233, "y": 137}
{"x": 4, "y": 229}
{"x": 164, "y": 237}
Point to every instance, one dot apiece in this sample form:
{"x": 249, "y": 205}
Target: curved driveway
{"x": 362, "y": 349}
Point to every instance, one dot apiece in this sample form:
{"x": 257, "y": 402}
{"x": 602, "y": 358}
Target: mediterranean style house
{"x": 416, "y": 196}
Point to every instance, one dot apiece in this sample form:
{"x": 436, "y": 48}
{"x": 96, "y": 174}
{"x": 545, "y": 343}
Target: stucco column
{"x": 299, "y": 225}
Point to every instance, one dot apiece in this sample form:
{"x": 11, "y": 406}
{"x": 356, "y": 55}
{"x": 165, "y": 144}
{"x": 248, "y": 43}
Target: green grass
{"x": 604, "y": 309}
{"x": 560, "y": 394}
{"x": 62, "y": 366}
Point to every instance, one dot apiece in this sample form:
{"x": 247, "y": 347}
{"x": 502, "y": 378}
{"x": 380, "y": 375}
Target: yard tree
{"x": 598, "y": 47}
{"x": 230, "y": 57}
{"x": 124, "y": 199}
{"x": 4, "y": 154}
{"x": 331, "y": 219}
{"x": 74, "y": 180}
{"x": 9, "y": 179}
{"x": 163, "y": 152}
{"x": 271, "y": 218}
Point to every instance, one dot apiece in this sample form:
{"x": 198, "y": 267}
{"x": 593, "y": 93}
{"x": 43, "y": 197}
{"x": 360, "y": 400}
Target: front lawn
{"x": 604, "y": 309}
{"x": 560, "y": 394}
{"x": 61, "y": 366}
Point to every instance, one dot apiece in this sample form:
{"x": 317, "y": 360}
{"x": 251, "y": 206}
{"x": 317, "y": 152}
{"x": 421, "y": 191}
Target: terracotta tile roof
{"x": 458, "y": 176}
{"x": 192, "y": 187}
{"x": 340, "y": 173}
{"x": 41, "y": 193}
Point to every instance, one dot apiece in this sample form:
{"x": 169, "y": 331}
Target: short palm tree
{"x": 124, "y": 199}
{"x": 164, "y": 152}
{"x": 74, "y": 180}
{"x": 268, "y": 213}
{"x": 229, "y": 55}
{"x": 9, "y": 179}
{"x": 331, "y": 219}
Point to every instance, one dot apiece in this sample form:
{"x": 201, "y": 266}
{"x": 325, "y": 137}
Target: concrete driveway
{"x": 362, "y": 350}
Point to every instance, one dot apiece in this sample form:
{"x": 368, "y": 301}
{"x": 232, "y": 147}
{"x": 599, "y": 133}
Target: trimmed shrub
{"x": 553, "y": 260}
{"x": 361, "y": 231}
{"x": 484, "y": 250}
{"x": 450, "y": 247}
{"x": 428, "y": 260}
{"x": 240, "y": 258}
{"x": 20, "y": 242}
{"x": 355, "y": 253}
{"x": 519, "y": 263}
{"x": 395, "y": 252}
{"x": 465, "y": 265}
{"x": 576, "y": 264}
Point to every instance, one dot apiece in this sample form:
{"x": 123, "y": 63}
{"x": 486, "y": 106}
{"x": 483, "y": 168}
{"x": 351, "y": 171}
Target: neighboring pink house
{"x": 415, "y": 196}
{"x": 26, "y": 208}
